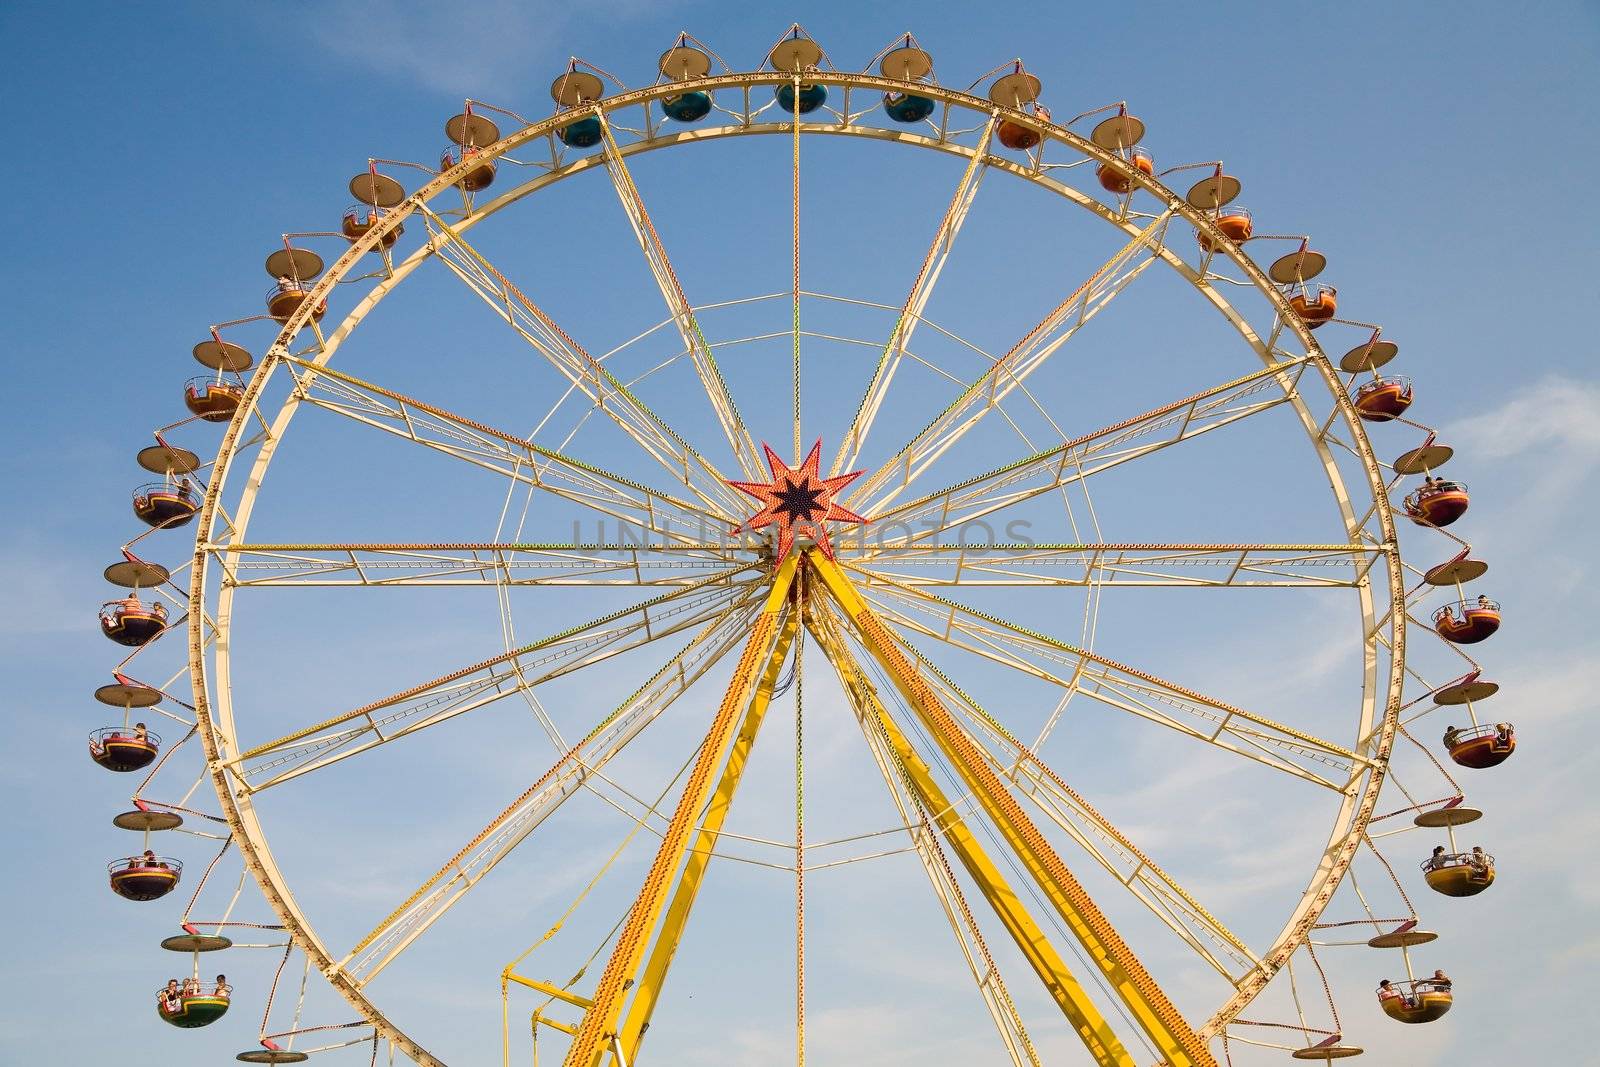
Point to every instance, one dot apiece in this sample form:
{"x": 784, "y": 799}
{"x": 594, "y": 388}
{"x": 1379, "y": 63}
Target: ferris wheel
{"x": 733, "y": 534}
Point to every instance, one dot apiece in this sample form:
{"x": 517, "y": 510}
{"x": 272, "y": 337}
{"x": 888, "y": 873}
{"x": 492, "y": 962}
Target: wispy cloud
{"x": 1551, "y": 426}
{"x": 485, "y": 50}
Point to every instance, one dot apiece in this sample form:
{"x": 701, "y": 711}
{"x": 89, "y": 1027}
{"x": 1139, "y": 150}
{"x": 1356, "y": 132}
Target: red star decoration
{"x": 798, "y": 498}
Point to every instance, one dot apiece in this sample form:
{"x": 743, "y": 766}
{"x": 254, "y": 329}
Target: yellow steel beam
{"x": 598, "y": 1028}
{"x": 666, "y": 946}
{"x": 1170, "y": 1034}
{"x": 549, "y": 990}
{"x": 1013, "y": 914}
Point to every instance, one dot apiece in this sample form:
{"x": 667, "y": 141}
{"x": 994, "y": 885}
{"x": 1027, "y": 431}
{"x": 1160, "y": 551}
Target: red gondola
{"x": 1383, "y": 399}
{"x": 1481, "y": 747}
{"x": 1437, "y": 502}
{"x": 1467, "y": 622}
{"x": 124, "y": 749}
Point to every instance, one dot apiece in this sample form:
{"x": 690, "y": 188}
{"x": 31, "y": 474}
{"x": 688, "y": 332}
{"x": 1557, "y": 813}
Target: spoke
{"x": 582, "y": 371}
{"x": 989, "y": 389}
{"x": 472, "y": 564}
{"x": 1183, "y": 566}
{"x": 1145, "y": 695}
{"x": 1109, "y": 846}
{"x": 569, "y": 773}
{"x": 694, "y": 340}
{"x": 916, "y": 301}
{"x": 1083, "y": 457}
{"x": 359, "y": 730}
{"x": 592, "y": 487}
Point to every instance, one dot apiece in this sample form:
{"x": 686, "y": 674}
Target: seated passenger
{"x": 1483, "y": 601}
{"x": 1440, "y": 982}
{"x": 222, "y": 986}
{"x": 170, "y": 997}
{"x": 140, "y": 732}
{"x": 1438, "y": 859}
{"x": 1387, "y": 991}
{"x": 1479, "y": 859}
{"x": 1451, "y": 735}
{"x": 191, "y": 987}
{"x": 1446, "y": 616}
{"x": 1502, "y": 733}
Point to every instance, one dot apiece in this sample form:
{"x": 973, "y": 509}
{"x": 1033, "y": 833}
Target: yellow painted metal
{"x": 1034, "y": 944}
{"x": 595, "y": 1032}
{"x": 694, "y": 869}
{"x": 548, "y": 989}
{"x": 1167, "y": 1030}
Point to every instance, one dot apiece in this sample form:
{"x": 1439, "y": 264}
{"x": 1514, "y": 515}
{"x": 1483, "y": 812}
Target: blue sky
{"x": 1437, "y": 154}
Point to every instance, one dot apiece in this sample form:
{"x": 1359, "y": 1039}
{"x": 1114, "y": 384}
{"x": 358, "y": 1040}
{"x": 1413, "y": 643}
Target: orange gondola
{"x": 1315, "y": 303}
{"x": 1459, "y": 874}
{"x": 1114, "y": 181}
{"x": 1017, "y": 137}
{"x": 285, "y": 298}
{"x": 1420, "y": 1001}
{"x": 1481, "y": 747}
{"x": 131, "y": 621}
{"x": 1235, "y": 222}
{"x": 1383, "y": 398}
{"x": 1467, "y": 622}
{"x": 166, "y": 504}
{"x": 211, "y": 398}
{"x": 1437, "y": 502}
{"x": 146, "y": 877}
{"x": 123, "y": 749}
{"x": 359, "y": 219}
{"x": 479, "y": 177}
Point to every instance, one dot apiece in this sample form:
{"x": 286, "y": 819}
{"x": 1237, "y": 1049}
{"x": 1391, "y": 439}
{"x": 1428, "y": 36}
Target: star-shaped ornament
{"x": 798, "y": 499}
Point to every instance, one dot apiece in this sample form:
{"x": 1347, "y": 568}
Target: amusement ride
{"x": 744, "y": 540}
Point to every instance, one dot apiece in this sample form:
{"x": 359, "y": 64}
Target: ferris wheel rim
{"x": 245, "y": 823}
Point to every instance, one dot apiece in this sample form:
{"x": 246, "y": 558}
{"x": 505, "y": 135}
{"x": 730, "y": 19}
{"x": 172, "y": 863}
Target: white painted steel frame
{"x": 1381, "y": 695}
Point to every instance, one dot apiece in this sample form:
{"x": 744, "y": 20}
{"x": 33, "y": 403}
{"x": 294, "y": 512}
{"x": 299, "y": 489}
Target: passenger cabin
{"x": 131, "y": 621}
{"x": 146, "y": 877}
{"x": 212, "y": 398}
{"x": 1481, "y": 747}
{"x": 1419, "y": 1001}
{"x": 1114, "y": 180}
{"x": 191, "y": 1010}
{"x": 1459, "y": 874}
{"x": 1383, "y": 398}
{"x": 1467, "y": 622}
{"x": 285, "y": 298}
{"x": 166, "y": 504}
{"x": 1314, "y": 303}
{"x": 1236, "y": 224}
{"x": 1437, "y": 502}
{"x": 359, "y": 219}
{"x": 907, "y": 63}
{"x": 123, "y": 749}
{"x": 476, "y": 178}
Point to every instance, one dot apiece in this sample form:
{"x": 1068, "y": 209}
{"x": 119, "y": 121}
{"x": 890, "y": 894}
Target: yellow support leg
{"x": 596, "y": 1032}
{"x": 1008, "y": 907}
{"x": 1151, "y": 1009}
{"x": 694, "y": 869}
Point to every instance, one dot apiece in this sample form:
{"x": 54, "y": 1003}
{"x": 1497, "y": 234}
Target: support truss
{"x": 624, "y": 499}
{"x": 1083, "y": 457}
{"x": 524, "y": 815}
{"x": 471, "y": 564}
{"x": 361, "y": 729}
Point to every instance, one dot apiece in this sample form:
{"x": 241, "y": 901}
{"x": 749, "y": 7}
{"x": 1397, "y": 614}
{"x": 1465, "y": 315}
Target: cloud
{"x": 1558, "y": 416}
{"x": 489, "y": 51}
